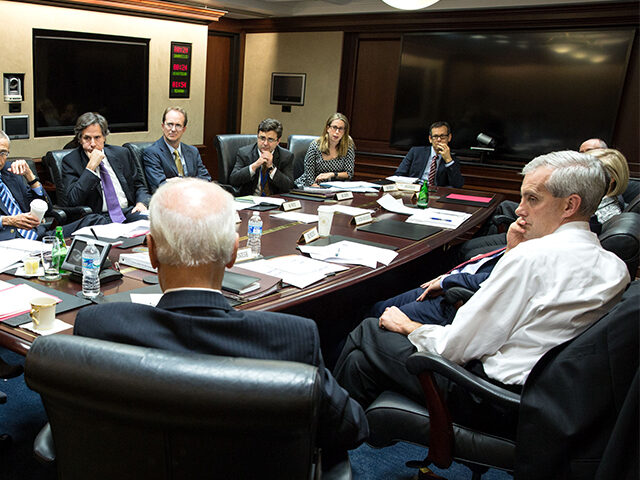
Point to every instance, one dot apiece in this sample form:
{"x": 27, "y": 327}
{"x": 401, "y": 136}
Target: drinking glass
{"x": 50, "y": 246}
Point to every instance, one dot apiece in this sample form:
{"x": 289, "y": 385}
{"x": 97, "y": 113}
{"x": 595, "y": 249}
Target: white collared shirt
{"x": 179, "y": 149}
{"x": 122, "y": 198}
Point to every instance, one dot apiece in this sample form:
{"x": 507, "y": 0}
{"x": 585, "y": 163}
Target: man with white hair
{"x": 192, "y": 239}
{"x": 552, "y": 283}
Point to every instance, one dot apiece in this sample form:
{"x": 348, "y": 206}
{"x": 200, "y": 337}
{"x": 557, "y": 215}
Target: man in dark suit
{"x": 193, "y": 238}
{"x": 264, "y": 168}
{"x": 434, "y": 163}
{"x": 103, "y": 177}
{"x": 16, "y": 221}
{"x": 168, "y": 157}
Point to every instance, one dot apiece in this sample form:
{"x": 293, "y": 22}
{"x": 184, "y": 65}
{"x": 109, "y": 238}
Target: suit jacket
{"x": 84, "y": 188}
{"x": 282, "y": 180}
{"x": 23, "y": 196}
{"x": 415, "y": 162}
{"x": 204, "y": 322}
{"x": 160, "y": 165}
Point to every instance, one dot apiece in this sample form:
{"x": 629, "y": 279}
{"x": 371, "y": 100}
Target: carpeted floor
{"x": 23, "y": 416}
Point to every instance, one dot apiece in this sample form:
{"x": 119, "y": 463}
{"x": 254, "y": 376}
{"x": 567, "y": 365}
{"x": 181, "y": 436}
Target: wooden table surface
{"x": 341, "y": 296}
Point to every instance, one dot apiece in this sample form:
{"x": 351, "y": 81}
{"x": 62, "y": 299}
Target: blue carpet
{"x": 23, "y": 416}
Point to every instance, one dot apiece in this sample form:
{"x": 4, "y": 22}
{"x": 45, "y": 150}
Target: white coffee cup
{"x": 39, "y": 208}
{"x": 325, "y": 217}
{"x": 43, "y": 312}
{"x": 31, "y": 265}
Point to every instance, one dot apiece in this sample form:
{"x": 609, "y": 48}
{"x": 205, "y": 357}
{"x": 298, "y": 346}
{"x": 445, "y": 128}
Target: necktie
{"x": 113, "y": 205}
{"x": 13, "y": 209}
{"x": 432, "y": 170}
{"x": 264, "y": 180}
{"x": 176, "y": 158}
{"x": 478, "y": 257}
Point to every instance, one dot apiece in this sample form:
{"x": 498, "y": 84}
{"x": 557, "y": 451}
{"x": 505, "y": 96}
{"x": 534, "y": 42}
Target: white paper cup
{"x": 43, "y": 312}
{"x": 31, "y": 265}
{"x": 325, "y": 218}
{"x": 39, "y": 208}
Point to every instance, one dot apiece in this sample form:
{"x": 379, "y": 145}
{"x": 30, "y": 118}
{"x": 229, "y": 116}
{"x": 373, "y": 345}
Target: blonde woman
{"x": 617, "y": 170}
{"x": 331, "y": 156}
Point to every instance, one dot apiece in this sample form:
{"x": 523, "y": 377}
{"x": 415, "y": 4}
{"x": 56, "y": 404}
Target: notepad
{"x": 394, "y": 228}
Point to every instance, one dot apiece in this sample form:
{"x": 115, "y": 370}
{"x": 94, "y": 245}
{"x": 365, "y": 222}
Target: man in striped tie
{"x": 16, "y": 221}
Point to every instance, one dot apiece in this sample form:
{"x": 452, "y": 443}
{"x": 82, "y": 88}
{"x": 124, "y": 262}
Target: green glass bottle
{"x": 61, "y": 252}
{"x": 423, "y": 195}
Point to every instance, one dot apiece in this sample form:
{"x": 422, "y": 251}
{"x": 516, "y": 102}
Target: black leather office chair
{"x": 298, "y": 145}
{"x": 122, "y": 411}
{"x": 137, "y": 149}
{"x": 53, "y": 161}
{"x": 7, "y": 371}
{"x": 621, "y": 235}
{"x": 633, "y": 205}
{"x": 579, "y": 401}
{"x": 227, "y": 146}
{"x": 632, "y": 191}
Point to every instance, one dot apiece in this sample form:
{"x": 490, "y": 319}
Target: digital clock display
{"x": 180, "y": 71}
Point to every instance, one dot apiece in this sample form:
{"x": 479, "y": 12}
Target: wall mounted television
{"x": 78, "y": 72}
{"x": 288, "y": 88}
{"x": 533, "y": 91}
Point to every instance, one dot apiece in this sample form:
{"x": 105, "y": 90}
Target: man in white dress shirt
{"x": 552, "y": 283}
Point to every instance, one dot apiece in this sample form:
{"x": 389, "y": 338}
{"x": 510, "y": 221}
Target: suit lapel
{"x": 167, "y": 158}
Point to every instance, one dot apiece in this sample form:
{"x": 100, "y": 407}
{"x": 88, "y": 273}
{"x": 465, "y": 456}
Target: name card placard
{"x": 244, "y": 254}
{"x": 238, "y": 219}
{"x": 294, "y": 205}
{"x": 309, "y": 236}
{"x": 392, "y": 187}
{"x": 344, "y": 196}
{"x": 362, "y": 219}
{"x": 408, "y": 187}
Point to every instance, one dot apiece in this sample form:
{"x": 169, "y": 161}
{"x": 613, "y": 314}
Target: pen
{"x": 94, "y": 233}
{"x": 440, "y": 219}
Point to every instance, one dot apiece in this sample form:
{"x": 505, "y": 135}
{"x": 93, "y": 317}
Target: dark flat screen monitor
{"x": 77, "y": 72}
{"x": 532, "y": 91}
{"x": 288, "y": 88}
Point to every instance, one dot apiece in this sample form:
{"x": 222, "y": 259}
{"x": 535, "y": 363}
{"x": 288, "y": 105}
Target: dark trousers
{"x": 431, "y": 310}
{"x": 373, "y": 360}
{"x": 86, "y": 221}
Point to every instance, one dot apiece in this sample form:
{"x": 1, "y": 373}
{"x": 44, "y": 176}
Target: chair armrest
{"x": 454, "y": 295}
{"x": 230, "y": 188}
{"x": 3, "y": 397}
{"x": 422, "y": 362}
{"x": 43, "y": 447}
{"x": 64, "y": 215}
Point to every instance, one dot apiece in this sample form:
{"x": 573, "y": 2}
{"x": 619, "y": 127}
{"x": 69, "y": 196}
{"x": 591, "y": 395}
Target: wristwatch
{"x": 335, "y": 174}
{"x": 35, "y": 180}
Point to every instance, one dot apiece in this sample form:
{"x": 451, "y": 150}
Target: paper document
{"x": 138, "y": 260}
{"x": 295, "y": 270}
{"x": 24, "y": 245}
{"x": 9, "y": 258}
{"x": 116, "y": 230}
{"x": 395, "y": 205}
{"x": 16, "y": 299}
{"x": 437, "y": 217}
{"x": 347, "y": 210}
{"x": 346, "y": 252}
{"x": 296, "y": 217}
{"x": 401, "y": 179}
{"x": 362, "y": 187}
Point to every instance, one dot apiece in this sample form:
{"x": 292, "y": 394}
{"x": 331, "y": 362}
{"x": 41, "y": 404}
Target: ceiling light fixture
{"x": 410, "y": 4}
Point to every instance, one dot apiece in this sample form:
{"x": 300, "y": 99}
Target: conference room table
{"x": 338, "y": 302}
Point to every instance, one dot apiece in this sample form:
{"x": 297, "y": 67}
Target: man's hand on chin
{"x": 516, "y": 232}
{"x": 395, "y": 321}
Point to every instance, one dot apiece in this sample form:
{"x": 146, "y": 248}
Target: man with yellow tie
{"x": 168, "y": 157}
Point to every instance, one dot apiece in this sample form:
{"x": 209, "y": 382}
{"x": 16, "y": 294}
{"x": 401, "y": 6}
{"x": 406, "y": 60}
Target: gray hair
{"x": 192, "y": 223}
{"x": 269, "y": 124}
{"x": 573, "y": 173}
{"x": 176, "y": 109}
{"x": 4, "y": 136}
{"x": 90, "y": 118}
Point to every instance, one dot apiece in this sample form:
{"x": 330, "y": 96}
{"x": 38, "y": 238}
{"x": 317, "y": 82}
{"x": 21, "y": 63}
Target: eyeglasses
{"x": 4, "y": 153}
{"x": 440, "y": 137}
{"x": 336, "y": 128}
{"x": 172, "y": 126}
{"x": 264, "y": 139}
{"x": 88, "y": 138}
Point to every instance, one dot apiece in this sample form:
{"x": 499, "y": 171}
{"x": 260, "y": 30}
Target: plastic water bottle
{"x": 90, "y": 270}
{"x": 255, "y": 233}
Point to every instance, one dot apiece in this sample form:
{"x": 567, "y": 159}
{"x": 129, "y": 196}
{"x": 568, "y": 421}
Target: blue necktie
{"x": 13, "y": 209}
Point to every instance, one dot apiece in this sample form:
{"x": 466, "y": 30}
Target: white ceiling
{"x": 246, "y": 9}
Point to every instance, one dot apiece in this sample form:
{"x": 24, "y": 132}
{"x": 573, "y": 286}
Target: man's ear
{"x": 153, "y": 254}
{"x": 572, "y": 205}
{"x": 234, "y": 253}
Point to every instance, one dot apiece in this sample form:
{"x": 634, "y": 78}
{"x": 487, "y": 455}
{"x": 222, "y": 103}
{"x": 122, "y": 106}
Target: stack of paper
{"x": 437, "y": 217}
{"x": 138, "y": 260}
{"x": 13, "y": 251}
{"x": 295, "y": 270}
{"x": 249, "y": 201}
{"x": 296, "y": 217}
{"x": 346, "y": 252}
{"x": 362, "y": 187}
{"x": 401, "y": 179}
{"x": 113, "y": 231}
{"x": 16, "y": 300}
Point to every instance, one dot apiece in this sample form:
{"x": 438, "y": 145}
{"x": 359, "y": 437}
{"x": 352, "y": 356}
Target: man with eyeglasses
{"x": 103, "y": 177}
{"x": 433, "y": 163}
{"x": 168, "y": 157}
{"x": 264, "y": 168}
{"x": 18, "y": 187}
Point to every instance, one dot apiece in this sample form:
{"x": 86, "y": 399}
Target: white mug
{"x": 43, "y": 312}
